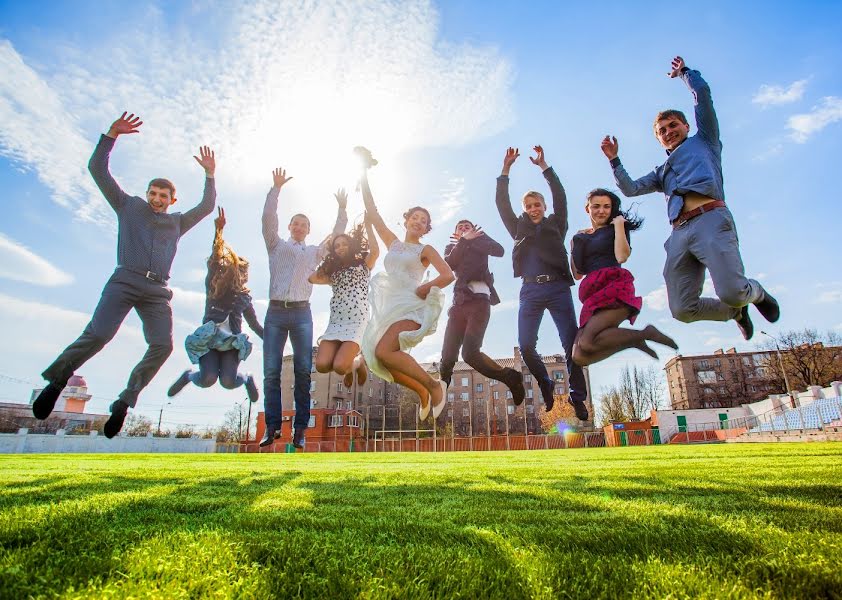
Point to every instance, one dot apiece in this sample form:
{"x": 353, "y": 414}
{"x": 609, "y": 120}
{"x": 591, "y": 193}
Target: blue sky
{"x": 438, "y": 91}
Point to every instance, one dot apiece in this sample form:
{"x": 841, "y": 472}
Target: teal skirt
{"x": 208, "y": 337}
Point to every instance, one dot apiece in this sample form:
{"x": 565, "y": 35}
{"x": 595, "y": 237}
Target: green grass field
{"x": 716, "y": 521}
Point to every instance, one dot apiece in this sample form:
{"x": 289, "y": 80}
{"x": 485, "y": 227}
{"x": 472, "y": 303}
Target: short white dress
{"x": 348, "y": 305}
{"x": 392, "y": 298}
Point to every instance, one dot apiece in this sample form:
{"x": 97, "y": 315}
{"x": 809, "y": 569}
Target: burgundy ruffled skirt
{"x": 611, "y": 287}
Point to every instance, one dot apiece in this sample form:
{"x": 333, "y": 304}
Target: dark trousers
{"x": 555, "y": 297}
{"x": 123, "y": 291}
{"x": 297, "y": 325}
{"x": 218, "y": 365}
{"x": 466, "y": 325}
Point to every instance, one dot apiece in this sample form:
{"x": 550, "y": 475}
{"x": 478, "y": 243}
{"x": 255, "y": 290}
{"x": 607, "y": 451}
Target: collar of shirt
{"x": 296, "y": 243}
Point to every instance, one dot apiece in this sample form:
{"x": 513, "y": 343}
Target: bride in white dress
{"x": 403, "y": 309}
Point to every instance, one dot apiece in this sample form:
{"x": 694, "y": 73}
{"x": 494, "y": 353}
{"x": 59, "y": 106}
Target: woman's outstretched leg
{"x": 389, "y": 353}
{"x": 602, "y": 337}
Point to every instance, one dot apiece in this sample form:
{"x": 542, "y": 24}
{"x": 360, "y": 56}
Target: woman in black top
{"x": 219, "y": 344}
{"x": 607, "y": 293}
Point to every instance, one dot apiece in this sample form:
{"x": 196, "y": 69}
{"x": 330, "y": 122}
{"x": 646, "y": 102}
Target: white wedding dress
{"x": 392, "y": 299}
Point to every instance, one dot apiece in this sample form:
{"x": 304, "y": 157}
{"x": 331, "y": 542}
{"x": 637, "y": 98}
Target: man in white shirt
{"x": 291, "y": 262}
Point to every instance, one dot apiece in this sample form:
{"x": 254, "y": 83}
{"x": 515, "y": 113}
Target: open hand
{"x": 125, "y": 124}
{"x": 473, "y": 233}
{"x": 510, "y": 158}
{"x": 677, "y": 66}
{"x": 341, "y": 198}
{"x": 610, "y": 147}
{"x": 219, "y": 221}
{"x": 539, "y": 158}
{"x": 207, "y": 160}
{"x": 279, "y": 177}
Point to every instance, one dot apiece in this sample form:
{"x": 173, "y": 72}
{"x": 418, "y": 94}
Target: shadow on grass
{"x": 347, "y": 536}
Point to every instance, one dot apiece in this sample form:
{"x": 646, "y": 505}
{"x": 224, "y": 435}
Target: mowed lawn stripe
{"x": 740, "y": 521}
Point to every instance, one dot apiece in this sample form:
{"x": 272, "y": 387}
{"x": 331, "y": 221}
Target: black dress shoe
{"x": 298, "y": 438}
{"x": 514, "y": 381}
{"x": 114, "y": 424}
{"x": 580, "y": 408}
{"x": 46, "y": 400}
{"x": 745, "y": 324}
{"x": 769, "y": 307}
{"x": 269, "y": 436}
{"x": 547, "y": 393}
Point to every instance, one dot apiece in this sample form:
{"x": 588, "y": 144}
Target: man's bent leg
{"x": 155, "y": 314}
{"x": 453, "y": 334}
{"x": 479, "y": 312}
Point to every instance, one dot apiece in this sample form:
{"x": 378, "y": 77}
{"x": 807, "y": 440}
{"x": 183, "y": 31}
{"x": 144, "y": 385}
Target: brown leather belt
{"x": 700, "y": 210}
{"x": 289, "y": 303}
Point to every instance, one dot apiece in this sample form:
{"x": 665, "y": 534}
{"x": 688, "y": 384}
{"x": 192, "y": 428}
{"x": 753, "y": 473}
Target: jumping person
{"x": 473, "y": 297}
{"x": 540, "y": 260}
{"x": 403, "y": 309}
{"x": 704, "y": 235}
{"x": 347, "y": 268}
{"x": 147, "y": 239}
{"x": 607, "y": 293}
{"x": 291, "y": 262}
{"x": 219, "y": 344}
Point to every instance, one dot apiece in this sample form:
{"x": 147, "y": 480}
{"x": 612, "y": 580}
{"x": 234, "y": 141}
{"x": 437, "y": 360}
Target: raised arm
{"x": 445, "y": 277}
{"x": 206, "y": 160}
{"x": 706, "y": 121}
{"x": 630, "y": 187}
{"x": 556, "y": 189}
{"x": 384, "y": 232}
{"x": 373, "y": 244}
{"x": 98, "y": 165}
{"x": 622, "y": 250}
{"x": 250, "y": 316}
{"x": 504, "y": 203}
{"x": 218, "y": 241}
{"x": 341, "y": 222}
{"x": 270, "y": 208}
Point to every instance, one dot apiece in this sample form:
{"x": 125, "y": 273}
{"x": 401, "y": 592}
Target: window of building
{"x": 354, "y": 421}
{"x": 706, "y": 376}
{"x": 466, "y": 412}
{"x": 450, "y": 396}
{"x": 338, "y": 403}
{"x": 529, "y": 393}
{"x": 449, "y": 413}
{"x": 703, "y": 364}
{"x": 558, "y": 375}
{"x": 312, "y": 421}
{"x": 370, "y": 391}
{"x": 312, "y": 385}
{"x": 492, "y": 382}
{"x": 510, "y": 409}
{"x": 527, "y": 378}
{"x": 479, "y": 387}
{"x": 464, "y": 396}
{"x": 465, "y": 382}
{"x": 340, "y": 387}
{"x": 559, "y": 390}
{"x": 334, "y": 421}
{"x": 530, "y": 408}
{"x": 347, "y": 405}
{"x": 508, "y": 394}
{"x": 496, "y": 395}
{"x": 717, "y": 363}
{"x": 478, "y": 399}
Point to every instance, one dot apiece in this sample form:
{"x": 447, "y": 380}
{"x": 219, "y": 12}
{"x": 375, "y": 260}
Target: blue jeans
{"x": 556, "y": 297}
{"x": 297, "y": 325}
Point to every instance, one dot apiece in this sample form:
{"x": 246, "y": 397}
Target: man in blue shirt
{"x": 704, "y": 235}
{"x": 147, "y": 239}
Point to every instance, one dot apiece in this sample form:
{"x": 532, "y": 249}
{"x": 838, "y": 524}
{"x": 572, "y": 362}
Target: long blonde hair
{"x": 232, "y": 272}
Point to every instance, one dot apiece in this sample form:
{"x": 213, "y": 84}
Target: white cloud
{"x": 804, "y": 125}
{"x": 657, "y": 298}
{"x": 830, "y": 297}
{"x": 297, "y": 84}
{"x": 773, "y": 150}
{"x": 772, "y": 95}
{"x": 451, "y": 200}
{"x": 21, "y": 264}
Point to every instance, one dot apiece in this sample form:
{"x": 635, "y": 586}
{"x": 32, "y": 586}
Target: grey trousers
{"x": 123, "y": 291}
{"x": 710, "y": 242}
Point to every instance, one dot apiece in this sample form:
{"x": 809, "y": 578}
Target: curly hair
{"x": 416, "y": 209}
{"x": 230, "y": 271}
{"x": 359, "y": 251}
{"x": 633, "y": 222}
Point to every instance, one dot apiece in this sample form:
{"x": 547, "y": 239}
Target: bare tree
{"x": 137, "y": 425}
{"x": 612, "y": 406}
{"x": 235, "y": 425}
{"x": 808, "y": 357}
{"x": 642, "y": 390}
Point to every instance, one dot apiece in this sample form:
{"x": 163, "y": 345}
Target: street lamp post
{"x": 792, "y": 400}
{"x": 160, "y": 415}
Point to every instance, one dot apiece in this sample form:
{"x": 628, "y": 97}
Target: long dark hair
{"x": 633, "y": 222}
{"x": 358, "y": 252}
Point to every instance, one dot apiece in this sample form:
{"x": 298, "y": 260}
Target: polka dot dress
{"x": 349, "y": 304}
